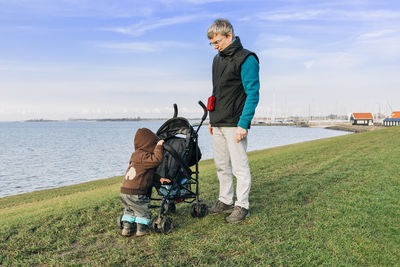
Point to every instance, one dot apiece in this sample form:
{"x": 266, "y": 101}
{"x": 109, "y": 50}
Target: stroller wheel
{"x": 199, "y": 210}
{"x": 166, "y": 225}
{"x": 155, "y": 225}
{"x": 193, "y": 210}
{"x": 203, "y": 210}
{"x": 119, "y": 221}
{"x": 169, "y": 207}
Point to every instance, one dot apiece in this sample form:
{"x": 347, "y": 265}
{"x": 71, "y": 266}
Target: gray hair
{"x": 220, "y": 26}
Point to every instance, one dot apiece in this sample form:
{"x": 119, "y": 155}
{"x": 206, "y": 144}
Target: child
{"x": 138, "y": 181}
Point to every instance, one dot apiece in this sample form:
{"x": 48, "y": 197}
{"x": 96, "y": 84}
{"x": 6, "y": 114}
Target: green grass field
{"x": 333, "y": 202}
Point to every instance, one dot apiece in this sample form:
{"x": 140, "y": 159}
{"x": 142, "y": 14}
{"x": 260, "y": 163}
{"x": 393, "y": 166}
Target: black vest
{"x": 227, "y": 85}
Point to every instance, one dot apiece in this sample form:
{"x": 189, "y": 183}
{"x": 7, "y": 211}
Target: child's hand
{"x": 165, "y": 180}
{"x": 160, "y": 143}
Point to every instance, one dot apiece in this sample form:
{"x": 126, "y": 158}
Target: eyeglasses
{"x": 216, "y": 42}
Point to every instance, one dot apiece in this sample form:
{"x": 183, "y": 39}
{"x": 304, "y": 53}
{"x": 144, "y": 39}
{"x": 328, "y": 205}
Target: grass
{"x": 330, "y": 202}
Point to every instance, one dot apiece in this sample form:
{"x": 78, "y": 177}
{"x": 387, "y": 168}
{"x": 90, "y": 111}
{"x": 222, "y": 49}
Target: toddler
{"x": 137, "y": 183}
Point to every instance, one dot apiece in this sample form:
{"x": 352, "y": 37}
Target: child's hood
{"x": 145, "y": 140}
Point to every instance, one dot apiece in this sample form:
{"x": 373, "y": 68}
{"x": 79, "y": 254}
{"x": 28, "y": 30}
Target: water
{"x": 41, "y": 155}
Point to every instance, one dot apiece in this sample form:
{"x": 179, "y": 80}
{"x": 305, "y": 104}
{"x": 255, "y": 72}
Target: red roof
{"x": 395, "y": 115}
{"x": 363, "y": 116}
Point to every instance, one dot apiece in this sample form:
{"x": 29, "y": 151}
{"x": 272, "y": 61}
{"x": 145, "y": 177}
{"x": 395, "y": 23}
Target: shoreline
{"x": 345, "y": 127}
{"x": 354, "y": 128}
{"x": 330, "y": 125}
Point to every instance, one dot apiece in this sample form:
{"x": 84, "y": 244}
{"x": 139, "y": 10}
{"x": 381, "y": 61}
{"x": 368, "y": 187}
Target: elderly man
{"x": 235, "y": 76}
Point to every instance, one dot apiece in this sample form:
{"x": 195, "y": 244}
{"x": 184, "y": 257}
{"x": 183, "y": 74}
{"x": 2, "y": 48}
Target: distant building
{"x": 395, "y": 115}
{"x": 362, "y": 119}
{"x": 393, "y": 120}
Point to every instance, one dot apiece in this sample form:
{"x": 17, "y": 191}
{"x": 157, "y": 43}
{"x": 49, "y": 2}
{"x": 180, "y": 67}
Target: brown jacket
{"x": 139, "y": 175}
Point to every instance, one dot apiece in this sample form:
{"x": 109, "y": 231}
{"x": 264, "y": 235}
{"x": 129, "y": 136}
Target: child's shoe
{"x": 142, "y": 230}
{"x": 128, "y": 229}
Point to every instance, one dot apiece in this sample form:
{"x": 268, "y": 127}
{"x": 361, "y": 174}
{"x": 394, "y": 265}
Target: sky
{"x": 69, "y": 59}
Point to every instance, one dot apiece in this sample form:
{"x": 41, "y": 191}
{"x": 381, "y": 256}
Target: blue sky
{"x": 108, "y": 59}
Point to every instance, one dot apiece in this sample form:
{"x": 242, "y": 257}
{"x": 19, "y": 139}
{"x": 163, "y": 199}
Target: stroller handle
{"x": 204, "y": 110}
{"x": 204, "y": 115}
{"x": 175, "y": 110}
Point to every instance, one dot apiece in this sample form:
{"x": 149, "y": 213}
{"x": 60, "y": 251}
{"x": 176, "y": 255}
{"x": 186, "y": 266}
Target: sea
{"x": 43, "y": 155}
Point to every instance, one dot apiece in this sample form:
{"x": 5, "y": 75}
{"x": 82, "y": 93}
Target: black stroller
{"x": 182, "y": 152}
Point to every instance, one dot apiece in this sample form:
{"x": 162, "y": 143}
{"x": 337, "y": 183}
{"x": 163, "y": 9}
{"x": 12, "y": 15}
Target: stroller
{"x": 181, "y": 152}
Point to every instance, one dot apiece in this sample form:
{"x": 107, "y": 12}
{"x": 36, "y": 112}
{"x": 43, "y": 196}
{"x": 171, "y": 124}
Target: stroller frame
{"x": 198, "y": 208}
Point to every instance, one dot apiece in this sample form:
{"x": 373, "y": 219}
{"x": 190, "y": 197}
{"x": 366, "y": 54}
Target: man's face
{"x": 220, "y": 42}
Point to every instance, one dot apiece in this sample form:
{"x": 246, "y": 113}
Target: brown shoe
{"x": 220, "y": 207}
{"x": 128, "y": 229}
{"x": 238, "y": 214}
{"x": 142, "y": 230}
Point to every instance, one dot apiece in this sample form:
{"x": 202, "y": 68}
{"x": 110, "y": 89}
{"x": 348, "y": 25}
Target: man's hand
{"x": 240, "y": 134}
{"x": 210, "y": 129}
{"x": 160, "y": 143}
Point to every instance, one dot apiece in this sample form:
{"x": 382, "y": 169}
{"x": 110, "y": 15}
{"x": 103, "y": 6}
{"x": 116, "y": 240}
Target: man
{"x": 235, "y": 75}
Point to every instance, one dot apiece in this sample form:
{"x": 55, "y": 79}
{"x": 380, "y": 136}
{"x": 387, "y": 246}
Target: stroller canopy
{"x": 175, "y": 126}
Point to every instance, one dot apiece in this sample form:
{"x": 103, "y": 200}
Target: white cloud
{"x": 386, "y": 49}
{"x": 369, "y": 15}
{"x": 314, "y": 59}
{"x": 376, "y": 34}
{"x": 15, "y": 66}
{"x": 136, "y": 47}
{"x": 264, "y": 39}
{"x": 309, "y": 64}
{"x": 305, "y": 15}
{"x": 131, "y": 47}
{"x": 144, "y": 26}
{"x": 325, "y": 14}
{"x": 288, "y": 53}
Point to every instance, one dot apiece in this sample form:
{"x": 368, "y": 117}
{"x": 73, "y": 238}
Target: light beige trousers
{"x": 230, "y": 159}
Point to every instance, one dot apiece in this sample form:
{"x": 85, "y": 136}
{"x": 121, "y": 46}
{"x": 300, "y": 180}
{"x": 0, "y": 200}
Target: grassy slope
{"x": 334, "y": 201}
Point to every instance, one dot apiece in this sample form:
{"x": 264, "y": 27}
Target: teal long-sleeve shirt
{"x": 251, "y": 83}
